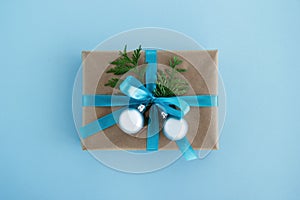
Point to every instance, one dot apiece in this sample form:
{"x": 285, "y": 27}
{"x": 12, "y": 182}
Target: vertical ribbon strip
{"x": 153, "y": 123}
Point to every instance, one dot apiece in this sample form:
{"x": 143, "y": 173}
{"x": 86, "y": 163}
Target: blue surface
{"x": 259, "y": 60}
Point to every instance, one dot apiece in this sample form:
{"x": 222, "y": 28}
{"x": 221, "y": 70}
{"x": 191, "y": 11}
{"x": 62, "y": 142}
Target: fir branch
{"x": 162, "y": 91}
{"x": 174, "y": 62}
{"x": 124, "y": 64}
{"x": 180, "y": 70}
{"x": 120, "y": 70}
{"x": 112, "y": 82}
{"x": 168, "y": 84}
{"x": 136, "y": 56}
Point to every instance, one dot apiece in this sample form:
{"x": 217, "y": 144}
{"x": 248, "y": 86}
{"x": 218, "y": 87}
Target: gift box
{"x": 202, "y": 75}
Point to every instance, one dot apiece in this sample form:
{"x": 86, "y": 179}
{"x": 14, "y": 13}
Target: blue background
{"x": 40, "y": 51}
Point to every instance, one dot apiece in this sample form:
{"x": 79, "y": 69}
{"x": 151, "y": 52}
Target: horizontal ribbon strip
{"x": 106, "y": 100}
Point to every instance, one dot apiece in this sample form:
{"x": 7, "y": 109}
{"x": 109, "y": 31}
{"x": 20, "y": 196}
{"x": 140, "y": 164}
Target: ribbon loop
{"x": 135, "y": 89}
{"x": 169, "y": 103}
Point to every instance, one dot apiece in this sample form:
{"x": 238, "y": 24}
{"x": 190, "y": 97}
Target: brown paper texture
{"x": 202, "y": 74}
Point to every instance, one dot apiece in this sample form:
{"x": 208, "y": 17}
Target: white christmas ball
{"x": 175, "y": 129}
{"x": 131, "y": 121}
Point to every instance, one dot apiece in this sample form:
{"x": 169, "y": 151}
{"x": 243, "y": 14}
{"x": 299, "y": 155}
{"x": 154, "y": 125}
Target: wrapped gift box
{"x": 202, "y": 75}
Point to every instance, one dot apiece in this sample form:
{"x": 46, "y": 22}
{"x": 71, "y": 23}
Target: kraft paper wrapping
{"x": 202, "y": 75}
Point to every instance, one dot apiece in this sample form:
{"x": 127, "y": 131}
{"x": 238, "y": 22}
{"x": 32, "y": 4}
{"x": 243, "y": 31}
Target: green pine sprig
{"x": 174, "y": 62}
{"x": 112, "y": 82}
{"x": 180, "y": 70}
{"x": 125, "y": 63}
{"x": 168, "y": 84}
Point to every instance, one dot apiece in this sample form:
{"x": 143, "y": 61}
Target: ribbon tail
{"x": 100, "y": 124}
{"x": 153, "y": 130}
{"x": 186, "y": 149}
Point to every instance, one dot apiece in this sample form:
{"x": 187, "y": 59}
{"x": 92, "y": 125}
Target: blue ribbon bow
{"x": 136, "y": 94}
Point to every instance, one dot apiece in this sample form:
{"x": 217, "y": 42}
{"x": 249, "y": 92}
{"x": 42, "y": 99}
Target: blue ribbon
{"x": 136, "y": 94}
{"x": 106, "y": 100}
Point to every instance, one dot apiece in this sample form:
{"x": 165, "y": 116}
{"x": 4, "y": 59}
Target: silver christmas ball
{"x": 175, "y": 129}
{"x": 131, "y": 121}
